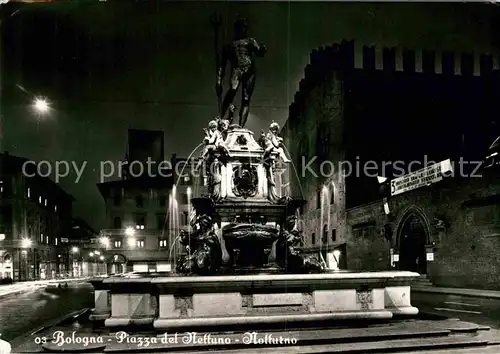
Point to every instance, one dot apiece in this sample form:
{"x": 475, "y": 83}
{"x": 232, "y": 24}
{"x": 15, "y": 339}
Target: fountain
{"x": 242, "y": 266}
{"x": 243, "y": 225}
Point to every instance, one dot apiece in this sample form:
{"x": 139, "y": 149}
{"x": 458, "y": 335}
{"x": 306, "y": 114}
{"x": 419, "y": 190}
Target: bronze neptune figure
{"x": 240, "y": 53}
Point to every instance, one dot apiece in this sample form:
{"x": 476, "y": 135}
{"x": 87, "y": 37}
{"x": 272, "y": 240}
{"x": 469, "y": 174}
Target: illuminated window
{"x": 118, "y": 244}
{"x": 29, "y": 192}
{"x": 140, "y": 244}
{"x": 45, "y": 202}
{"x": 163, "y": 243}
{"x": 56, "y": 241}
{"x": 40, "y": 200}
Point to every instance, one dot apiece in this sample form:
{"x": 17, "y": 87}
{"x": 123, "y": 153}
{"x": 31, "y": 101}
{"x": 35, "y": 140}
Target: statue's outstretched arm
{"x": 260, "y": 49}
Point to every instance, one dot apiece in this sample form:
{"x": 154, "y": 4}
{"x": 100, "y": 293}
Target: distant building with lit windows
{"x": 84, "y": 250}
{"x": 144, "y": 212}
{"x": 35, "y": 215}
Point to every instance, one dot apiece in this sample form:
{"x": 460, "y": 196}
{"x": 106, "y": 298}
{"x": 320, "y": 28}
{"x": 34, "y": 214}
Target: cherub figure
{"x": 225, "y": 123}
{"x": 213, "y": 139}
{"x": 274, "y": 143}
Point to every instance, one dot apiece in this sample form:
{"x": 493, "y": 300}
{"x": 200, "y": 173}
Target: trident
{"x": 215, "y": 21}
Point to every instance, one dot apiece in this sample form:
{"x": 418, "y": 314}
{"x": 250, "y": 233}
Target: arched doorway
{"x": 413, "y": 236}
{"x": 118, "y": 264}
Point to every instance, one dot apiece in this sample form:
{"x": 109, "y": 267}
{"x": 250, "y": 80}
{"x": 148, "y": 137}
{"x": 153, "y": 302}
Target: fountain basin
{"x": 187, "y": 301}
{"x": 249, "y": 245}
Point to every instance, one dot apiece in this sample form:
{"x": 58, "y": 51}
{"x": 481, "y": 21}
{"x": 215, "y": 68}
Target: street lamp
{"x": 74, "y": 250}
{"x": 104, "y": 241}
{"x": 26, "y": 243}
{"x": 129, "y": 231}
{"x": 41, "y": 105}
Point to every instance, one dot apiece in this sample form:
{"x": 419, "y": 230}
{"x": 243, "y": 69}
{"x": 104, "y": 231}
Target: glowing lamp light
{"x": 101, "y": 258}
{"x": 91, "y": 254}
{"x": 188, "y": 191}
{"x": 26, "y": 243}
{"x": 74, "y": 250}
{"x": 104, "y": 241}
{"x": 129, "y": 231}
{"x": 41, "y": 105}
{"x": 97, "y": 252}
{"x": 2, "y": 237}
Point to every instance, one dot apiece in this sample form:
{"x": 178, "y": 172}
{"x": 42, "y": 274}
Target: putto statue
{"x": 273, "y": 143}
{"x": 214, "y": 140}
{"x": 224, "y": 124}
{"x": 240, "y": 53}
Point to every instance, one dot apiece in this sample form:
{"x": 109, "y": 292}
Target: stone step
{"x": 403, "y": 336}
{"x": 422, "y": 283}
{"x": 408, "y": 335}
{"x": 402, "y": 346}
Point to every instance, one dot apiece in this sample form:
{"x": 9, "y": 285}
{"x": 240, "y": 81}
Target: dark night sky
{"x": 111, "y": 66}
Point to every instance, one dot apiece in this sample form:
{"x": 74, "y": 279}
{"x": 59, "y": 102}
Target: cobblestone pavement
{"x": 29, "y": 311}
{"x": 482, "y": 311}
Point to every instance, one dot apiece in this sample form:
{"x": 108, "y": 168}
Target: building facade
{"x": 35, "y": 218}
{"x": 385, "y": 108}
{"x": 85, "y": 252}
{"x": 146, "y": 213}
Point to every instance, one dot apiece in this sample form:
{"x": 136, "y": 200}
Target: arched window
{"x": 322, "y": 141}
{"x": 324, "y": 239}
{"x": 303, "y": 154}
{"x": 332, "y": 194}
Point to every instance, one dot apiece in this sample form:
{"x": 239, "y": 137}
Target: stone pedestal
{"x": 133, "y": 302}
{"x": 102, "y": 299}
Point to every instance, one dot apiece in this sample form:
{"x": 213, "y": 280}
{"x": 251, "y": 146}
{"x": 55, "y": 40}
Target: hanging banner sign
{"x": 423, "y": 177}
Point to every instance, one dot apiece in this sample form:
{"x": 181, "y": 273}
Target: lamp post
{"x": 74, "y": 253}
{"x": 25, "y": 245}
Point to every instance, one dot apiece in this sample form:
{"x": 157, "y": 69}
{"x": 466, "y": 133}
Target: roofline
{"x": 54, "y": 184}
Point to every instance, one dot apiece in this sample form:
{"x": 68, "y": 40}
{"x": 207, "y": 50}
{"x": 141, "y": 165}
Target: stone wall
{"x": 319, "y": 127}
{"x": 465, "y": 251}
